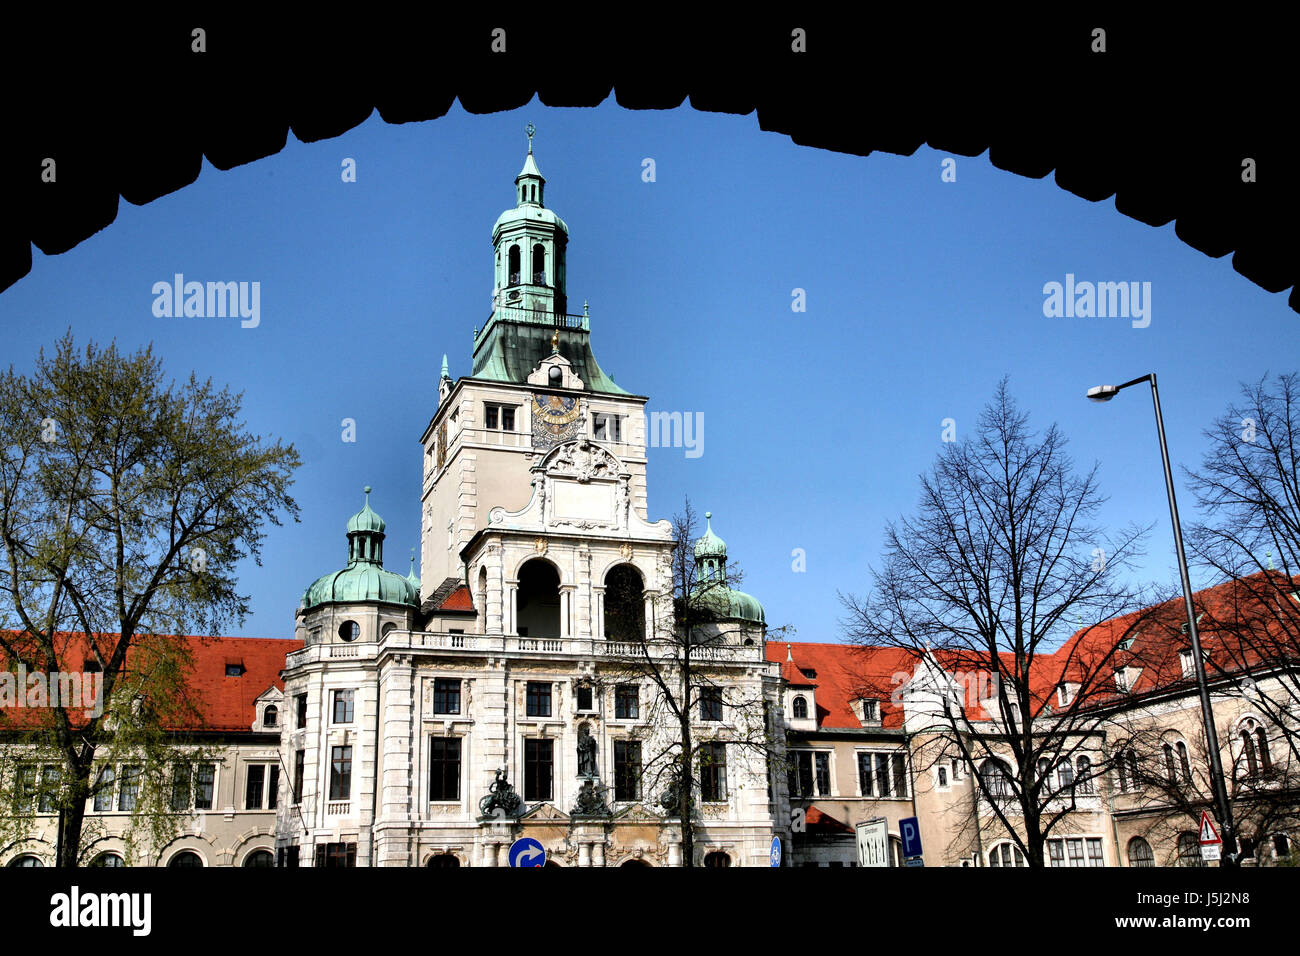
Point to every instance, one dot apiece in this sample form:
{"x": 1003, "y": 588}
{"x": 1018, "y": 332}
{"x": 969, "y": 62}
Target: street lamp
{"x": 1104, "y": 393}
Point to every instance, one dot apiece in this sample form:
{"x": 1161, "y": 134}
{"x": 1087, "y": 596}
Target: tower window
{"x": 513, "y": 269}
{"x": 539, "y": 264}
{"x": 606, "y": 427}
{"x": 499, "y": 417}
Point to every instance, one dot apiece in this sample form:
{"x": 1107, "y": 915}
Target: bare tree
{"x": 1249, "y": 493}
{"x": 982, "y": 589}
{"x": 697, "y": 667}
{"x": 125, "y": 504}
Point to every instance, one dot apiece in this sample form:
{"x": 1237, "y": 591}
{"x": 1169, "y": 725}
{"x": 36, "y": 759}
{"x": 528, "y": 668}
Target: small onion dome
{"x": 364, "y": 579}
{"x": 710, "y": 546}
{"x": 366, "y": 519}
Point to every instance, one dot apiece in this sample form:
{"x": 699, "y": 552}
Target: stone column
{"x": 598, "y": 854}
{"x": 598, "y": 613}
{"x": 674, "y": 854}
{"x": 584, "y": 854}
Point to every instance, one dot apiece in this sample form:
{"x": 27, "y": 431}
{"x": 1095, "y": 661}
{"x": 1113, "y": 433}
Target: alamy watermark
{"x": 41, "y": 689}
{"x": 211, "y": 300}
{"x": 1102, "y": 300}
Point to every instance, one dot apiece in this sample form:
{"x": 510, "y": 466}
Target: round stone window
{"x": 349, "y": 630}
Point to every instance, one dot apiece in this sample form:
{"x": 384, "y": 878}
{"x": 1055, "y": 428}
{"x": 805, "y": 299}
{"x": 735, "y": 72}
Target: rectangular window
{"x": 538, "y": 700}
{"x": 802, "y": 782}
{"x": 1056, "y": 852}
{"x": 273, "y": 786}
{"x": 254, "y": 786}
{"x": 713, "y": 772}
{"x": 340, "y": 773}
{"x": 343, "y": 702}
{"x": 823, "y": 764}
{"x": 627, "y": 769}
{"x": 444, "y": 768}
{"x": 538, "y": 766}
{"x": 300, "y": 700}
{"x": 710, "y": 703}
{"x": 26, "y": 793}
{"x": 1074, "y": 848}
{"x": 446, "y": 695}
{"x": 499, "y": 417}
{"x": 129, "y": 791}
{"x": 336, "y": 854}
{"x": 182, "y": 776}
{"x": 299, "y": 758}
{"x": 584, "y": 698}
{"x": 51, "y": 778}
{"x": 606, "y": 427}
{"x": 626, "y": 704}
{"x": 104, "y": 790}
{"x": 1094, "y": 852}
{"x": 883, "y": 774}
{"x": 205, "y": 776}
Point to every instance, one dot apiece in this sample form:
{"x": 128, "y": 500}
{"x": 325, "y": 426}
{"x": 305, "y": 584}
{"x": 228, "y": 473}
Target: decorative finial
{"x": 584, "y": 308}
{"x": 555, "y": 342}
{"x": 530, "y": 129}
{"x": 1269, "y": 555}
{"x": 708, "y": 515}
{"x": 446, "y": 373}
{"x": 366, "y": 489}
{"x": 789, "y": 656}
{"x": 412, "y": 559}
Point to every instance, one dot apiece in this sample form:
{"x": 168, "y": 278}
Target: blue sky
{"x": 920, "y": 295}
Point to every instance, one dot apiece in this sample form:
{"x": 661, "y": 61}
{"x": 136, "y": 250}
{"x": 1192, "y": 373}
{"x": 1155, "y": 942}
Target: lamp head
{"x": 1103, "y": 393}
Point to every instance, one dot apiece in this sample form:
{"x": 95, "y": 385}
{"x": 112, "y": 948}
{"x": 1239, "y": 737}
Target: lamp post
{"x": 1104, "y": 393}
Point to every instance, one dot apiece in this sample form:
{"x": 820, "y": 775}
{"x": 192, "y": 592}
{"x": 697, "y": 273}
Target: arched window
{"x": 260, "y": 859}
{"x": 1084, "y": 776}
{"x": 997, "y": 779}
{"x": 635, "y": 863}
{"x": 624, "y": 604}
{"x": 800, "y": 707}
{"x": 1006, "y": 854}
{"x": 1139, "y": 853}
{"x": 1184, "y": 763}
{"x": 107, "y": 860}
{"x": 1189, "y": 849}
{"x": 717, "y": 858}
{"x": 538, "y": 607}
{"x": 26, "y": 861}
{"x": 1171, "y": 771}
{"x": 482, "y": 596}
{"x": 1248, "y": 751}
{"x": 185, "y": 858}
{"x": 512, "y": 270}
{"x": 271, "y": 716}
{"x": 1254, "y": 747}
{"x": 1065, "y": 774}
{"x": 444, "y": 861}
{"x": 539, "y": 264}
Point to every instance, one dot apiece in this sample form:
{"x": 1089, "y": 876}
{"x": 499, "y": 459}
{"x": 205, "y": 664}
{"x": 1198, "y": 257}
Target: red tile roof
{"x": 846, "y": 672}
{"x": 217, "y": 702}
{"x": 458, "y": 600}
{"x": 822, "y": 823}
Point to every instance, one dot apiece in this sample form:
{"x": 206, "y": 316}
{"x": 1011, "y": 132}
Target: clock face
{"x": 556, "y": 418}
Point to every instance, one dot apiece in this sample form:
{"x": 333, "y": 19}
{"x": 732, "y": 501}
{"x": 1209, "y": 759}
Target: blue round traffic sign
{"x": 776, "y": 851}
{"x": 527, "y": 852}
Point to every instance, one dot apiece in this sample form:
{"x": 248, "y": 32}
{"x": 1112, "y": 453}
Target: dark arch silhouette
{"x": 1159, "y": 121}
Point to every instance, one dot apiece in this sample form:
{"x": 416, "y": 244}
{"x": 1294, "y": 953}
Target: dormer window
{"x": 1187, "y": 661}
{"x": 800, "y": 708}
{"x": 1123, "y": 680}
{"x": 870, "y": 710}
{"x": 271, "y": 716}
{"x": 234, "y": 668}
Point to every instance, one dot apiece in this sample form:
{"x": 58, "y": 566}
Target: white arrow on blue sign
{"x": 527, "y": 852}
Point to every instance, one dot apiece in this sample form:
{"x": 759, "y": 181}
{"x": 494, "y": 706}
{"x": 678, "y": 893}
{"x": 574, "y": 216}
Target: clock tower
{"x": 537, "y": 452}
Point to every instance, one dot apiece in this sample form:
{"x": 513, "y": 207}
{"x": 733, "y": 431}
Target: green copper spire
{"x": 711, "y": 580}
{"x": 364, "y": 579}
{"x": 446, "y": 373}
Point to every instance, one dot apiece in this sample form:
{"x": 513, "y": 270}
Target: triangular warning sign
{"x": 1208, "y": 833}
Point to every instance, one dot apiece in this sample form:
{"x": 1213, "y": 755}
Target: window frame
{"x": 627, "y": 772}
{"x": 337, "y": 697}
{"x": 534, "y": 765}
{"x": 446, "y": 696}
{"x": 537, "y": 693}
{"x": 713, "y": 771}
{"x": 444, "y": 761}
{"x": 627, "y": 701}
{"x": 710, "y": 704}
{"x": 340, "y": 773}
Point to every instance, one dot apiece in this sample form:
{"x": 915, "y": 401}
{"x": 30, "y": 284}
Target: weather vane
{"x": 530, "y": 129}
